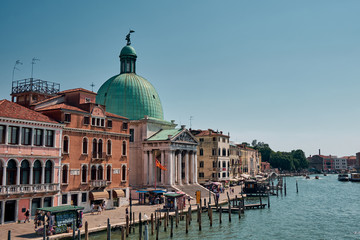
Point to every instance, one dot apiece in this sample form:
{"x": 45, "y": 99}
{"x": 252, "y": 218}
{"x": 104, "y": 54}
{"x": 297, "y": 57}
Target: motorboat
{"x": 316, "y": 177}
{"x": 343, "y": 177}
{"x": 355, "y": 177}
{"x": 307, "y": 177}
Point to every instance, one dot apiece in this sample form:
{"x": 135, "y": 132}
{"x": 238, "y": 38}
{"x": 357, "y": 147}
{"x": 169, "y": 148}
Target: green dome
{"x": 128, "y": 51}
{"x": 131, "y": 96}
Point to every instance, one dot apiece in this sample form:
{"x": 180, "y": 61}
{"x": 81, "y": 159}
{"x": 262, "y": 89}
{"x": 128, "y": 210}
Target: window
{"x": 66, "y": 145}
{"x": 64, "y": 199}
{"x": 228, "y": 152}
{"x": 219, "y": 152}
{"x": 125, "y": 126}
{"x": 224, "y": 152}
{"x": 86, "y": 120}
{"x": 13, "y": 135}
{"x": 67, "y": 117}
{"x": 223, "y": 139}
{"x": 38, "y": 137}
{"x": 213, "y": 175}
{"x": 11, "y": 172}
{"x": 108, "y": 149}
{"x": 100, "y": 149}
{"x": 48, "y": 171}
{"x": 109, "y": 123}
{"x": 2, "y": 133}
{"x": 49, "y": 140}
{"x": 100, "y": 173}
{"x": 131, "y": 135}
{"x": 124, "y": 148}
{"x": 214, "y": 139}
{"x": 201, "y": 174}
{"x": 201, "y": 152}
{"x": 213, "y": 151}
{"x": 93, "y": 121}
{"x": 103, "y": 122}
{"x": 93, "y": 173}
{"x": 83, "y": 197}
{"x": 37, "y": 172}
{"x": 224, "y": 164}
{"x": 84, "y": 174}
{"x": 65, "y": 174}
{"x": 85, "y": 146}
{"x": 98, "y": 122}
{"x": 24, "y": 172}
{"x": 201, "y": 139}
{"x": 94, "y": 149}
{"x": 224, "y": 174}
{"x": 108, "y": 173}
{"x": 123, "y": 173}
{"x": 201, "y": 164}
{"x": 26, "y": 136}
{"x": 214, "y": 164}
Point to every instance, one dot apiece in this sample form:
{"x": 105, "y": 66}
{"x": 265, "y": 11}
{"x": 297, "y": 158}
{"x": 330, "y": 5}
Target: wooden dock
{"x": 253, "y": 206}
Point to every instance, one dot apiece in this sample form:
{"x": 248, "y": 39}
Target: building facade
{"x": 95, "y": 150}
{"x": 250, "y": 160}
{"x": 212, "y": 155}
{"x": 235, "y": 161}
{"x": 30, "y": 158}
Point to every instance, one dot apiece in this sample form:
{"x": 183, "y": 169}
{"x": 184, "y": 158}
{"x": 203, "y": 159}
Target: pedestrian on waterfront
{"x": 126, "y": 211}
{"x": 99, "y": 209}
{"x": 189, "y": 200}
{"x": 27, "y": 214}
{"x": 103, "y": 205}
{"x": 92, "y": 208}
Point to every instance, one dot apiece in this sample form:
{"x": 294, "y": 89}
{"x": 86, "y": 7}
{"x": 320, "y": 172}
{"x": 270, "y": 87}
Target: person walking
{"x": 27, "y": 215}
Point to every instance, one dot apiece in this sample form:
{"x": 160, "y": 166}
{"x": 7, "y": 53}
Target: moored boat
{"x": 307, "y": 177}
{"x": 316, "y": 177}
{"x": 343, "y": 177}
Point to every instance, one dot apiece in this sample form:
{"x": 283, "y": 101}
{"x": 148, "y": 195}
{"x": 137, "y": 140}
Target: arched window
{"x": 25, "y": 172}
{"x": 224, "y": 164}
{"x": 224, "y": 152}
{"x": 94, "y": 148}
{"x": 123, "y": 173}
{"x": 93, "y": 173}
{"x": 219, "y": 164}
{"x": 124, "y": 148}
{"x": 65, "y": 174}
{"x": 11, "y": 172}
{"x": 219, "y": 152}
{"x": 109, "y": 147}
{"x": 48, "y": 171}
{"x": 108, "y": 173}
{"x": 66, "y": 144}
{"x": 84, "y": 173}
{"x": 100, "y": 173}
{"x": 85, "y": 146}
{"x": 100, "y": 148}
{"x": 201, "y": 152}
{"x": 37, "y": 172}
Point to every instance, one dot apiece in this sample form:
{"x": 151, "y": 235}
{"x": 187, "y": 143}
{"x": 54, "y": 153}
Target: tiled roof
{"x": 114, "y": 115}
{"x": 76, "y": 90}
{"x": 13, "y": 110}
{"x": 207, "y": 133}
{"x": 164, "y": 134}
{"x": 47, "y": 99}
{"x": 62, "y": 106}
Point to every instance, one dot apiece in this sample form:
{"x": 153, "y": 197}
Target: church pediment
{"x": 185, "y": 137}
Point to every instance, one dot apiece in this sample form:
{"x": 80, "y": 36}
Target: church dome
{"x": 131, "y": 96}
{"x": 128, "y": 94}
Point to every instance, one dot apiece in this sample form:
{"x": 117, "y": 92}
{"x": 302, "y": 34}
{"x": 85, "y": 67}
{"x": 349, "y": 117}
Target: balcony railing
{"x": 29, "y": 188}
{"x": 98, "y": 183}
{"x": 98, "y": 155}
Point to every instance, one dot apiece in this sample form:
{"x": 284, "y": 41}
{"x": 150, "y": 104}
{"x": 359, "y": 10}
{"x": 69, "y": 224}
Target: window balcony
{"x": 30, "y": 188}
{"x": 98, "y": 156}
{"x": 98, "y": 183}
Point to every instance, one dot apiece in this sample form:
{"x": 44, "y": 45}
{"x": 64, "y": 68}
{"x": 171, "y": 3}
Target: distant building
{"x": 235, "y": 161}
{"x": 212, "y": 155}
{"x": 30, "y": 157}
{"x": 250, "y": 160}
{"x": 265, "y": 167}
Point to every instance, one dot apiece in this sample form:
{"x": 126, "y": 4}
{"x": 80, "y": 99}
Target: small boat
{"x": 316, "y": 177}
{"x": 325, "y": 174}
{"x": 307, "y": 177}
{"x": 343, "y": 177}
{"x": 355, "y": 177}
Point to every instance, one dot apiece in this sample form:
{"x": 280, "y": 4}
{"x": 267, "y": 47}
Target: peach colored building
{"x": 30, "y": 156}
{"x": 95, "y": 147}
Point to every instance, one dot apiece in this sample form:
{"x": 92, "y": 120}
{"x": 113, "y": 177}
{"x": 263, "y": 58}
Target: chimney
{"x": 319, "y": 152}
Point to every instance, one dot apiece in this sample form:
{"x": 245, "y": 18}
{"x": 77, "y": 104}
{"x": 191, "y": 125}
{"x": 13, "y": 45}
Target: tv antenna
{"x": 92, "y": 86}
{"x": 15, "y": 68}
{"x": 32, "y": 65}
{"x": 191, "y": 118}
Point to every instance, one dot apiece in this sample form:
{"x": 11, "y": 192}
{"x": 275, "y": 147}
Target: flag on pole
{"x": 158, "y": 164}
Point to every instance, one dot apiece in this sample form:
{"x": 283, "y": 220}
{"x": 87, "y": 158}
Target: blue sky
{"x": 282, "y": 72}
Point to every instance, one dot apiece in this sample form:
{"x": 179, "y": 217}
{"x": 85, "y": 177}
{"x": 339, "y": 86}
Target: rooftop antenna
{"x": 15, "y": 68}
{"x": 92, "y": 86}
{"x": 32, "y": 65}
{"x": 191, "y": 118}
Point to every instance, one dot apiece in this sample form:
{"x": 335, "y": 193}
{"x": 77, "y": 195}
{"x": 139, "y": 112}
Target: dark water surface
{"x": 323, "y": 209}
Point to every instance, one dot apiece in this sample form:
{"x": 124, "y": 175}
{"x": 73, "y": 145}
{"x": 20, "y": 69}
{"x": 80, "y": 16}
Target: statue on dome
{"x": 128, "y": 37}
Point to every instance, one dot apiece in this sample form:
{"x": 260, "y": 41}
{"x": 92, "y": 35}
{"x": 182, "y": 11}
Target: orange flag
{"x": 158, "y": 164}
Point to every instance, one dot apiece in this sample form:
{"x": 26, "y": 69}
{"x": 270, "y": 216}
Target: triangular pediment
{"x": 185, "y": 136}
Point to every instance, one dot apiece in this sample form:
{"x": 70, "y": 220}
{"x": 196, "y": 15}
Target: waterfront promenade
{"x": 96, "y": 222}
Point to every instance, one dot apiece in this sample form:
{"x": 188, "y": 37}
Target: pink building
{"x": 30, "y": 157}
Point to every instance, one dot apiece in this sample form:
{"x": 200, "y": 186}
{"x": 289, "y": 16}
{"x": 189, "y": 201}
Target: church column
{"x": 162, "y": 172}
{"x": 170, "y": 170}
{"x": 195, "y": 168}
{"x": 179, "y": 170}
{"x": 146, "y": 169}
{"x": 191, "y": 174}
{"x": 151, "y": 168}
{"x": 187, "y": 168}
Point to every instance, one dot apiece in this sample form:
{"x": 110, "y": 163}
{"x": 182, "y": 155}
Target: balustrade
{"x": 34, "y": 188}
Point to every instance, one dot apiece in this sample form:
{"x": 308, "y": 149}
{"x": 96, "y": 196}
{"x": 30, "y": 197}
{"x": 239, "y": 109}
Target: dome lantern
{"x": 128, "y": 57}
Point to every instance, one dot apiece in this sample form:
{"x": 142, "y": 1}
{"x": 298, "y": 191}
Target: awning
{"x": 118, "y": 193}
{"x": 99, "y": 195}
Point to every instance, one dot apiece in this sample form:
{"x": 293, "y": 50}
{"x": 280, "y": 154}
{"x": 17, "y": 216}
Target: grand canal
{"x": 322, "y": 209}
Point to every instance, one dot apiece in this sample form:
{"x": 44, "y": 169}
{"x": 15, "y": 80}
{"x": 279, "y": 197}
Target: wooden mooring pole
{"x": 187, "y": 224}
{"x": 152, "y": 224}
{"x": 9, "y": 235}
{"x": 297, "y": 188}
{"x": 108, "y": 229}
{"x": 171, "y": 226}
{"x": 199, "y": 221}
{"x": 127, "y": 226}
{"x": 210, "y": 215}
{"x": 140, "y": 226}
{"x": 220, "y": 212}
{"x": 79, "y": 235}
{"x": 268, "y": 199}
{"x": 285, "y": 187}
{"x": 86, "y": 231}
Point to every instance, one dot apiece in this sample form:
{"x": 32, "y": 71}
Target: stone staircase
{"x": 191, "y": 190}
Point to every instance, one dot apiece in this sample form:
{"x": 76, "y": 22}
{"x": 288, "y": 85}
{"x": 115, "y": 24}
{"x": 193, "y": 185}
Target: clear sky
{"x": 282, "y": 72}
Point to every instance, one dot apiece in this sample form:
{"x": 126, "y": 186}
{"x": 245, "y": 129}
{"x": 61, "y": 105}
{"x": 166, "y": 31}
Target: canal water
{"x": 323, "y": 209}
